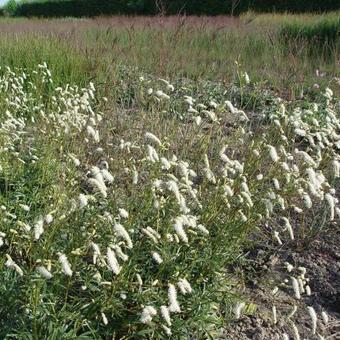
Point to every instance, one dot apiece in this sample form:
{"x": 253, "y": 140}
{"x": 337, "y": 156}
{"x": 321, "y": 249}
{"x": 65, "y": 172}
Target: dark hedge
{"x": 90, "y": 8}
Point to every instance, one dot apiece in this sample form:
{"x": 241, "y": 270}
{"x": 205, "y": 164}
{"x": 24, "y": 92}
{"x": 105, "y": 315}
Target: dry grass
{"x": 193, "y": 47}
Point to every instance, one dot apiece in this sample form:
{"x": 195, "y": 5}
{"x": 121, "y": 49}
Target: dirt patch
{"x": 267, "y": 270}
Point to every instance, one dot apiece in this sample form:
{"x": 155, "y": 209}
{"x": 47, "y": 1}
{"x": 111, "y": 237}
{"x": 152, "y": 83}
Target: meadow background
{"x": 93, "y": 110}
{"x": 279, "y": 49}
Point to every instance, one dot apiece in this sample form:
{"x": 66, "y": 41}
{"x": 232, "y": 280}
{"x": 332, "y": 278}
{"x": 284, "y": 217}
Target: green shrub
{"x": 10, "y": 7}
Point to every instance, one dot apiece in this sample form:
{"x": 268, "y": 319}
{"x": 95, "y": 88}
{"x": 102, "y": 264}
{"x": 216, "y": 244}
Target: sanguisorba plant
{"x": 104, "y": 235}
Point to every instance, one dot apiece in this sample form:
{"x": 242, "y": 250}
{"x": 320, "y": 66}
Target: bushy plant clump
{"x": 121, "y": 223}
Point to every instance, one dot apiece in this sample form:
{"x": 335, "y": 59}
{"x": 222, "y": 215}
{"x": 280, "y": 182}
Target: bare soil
{"x": 321, "y": 258}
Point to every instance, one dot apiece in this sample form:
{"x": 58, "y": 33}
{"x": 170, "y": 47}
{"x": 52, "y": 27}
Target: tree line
{"x": 90, "y": 8}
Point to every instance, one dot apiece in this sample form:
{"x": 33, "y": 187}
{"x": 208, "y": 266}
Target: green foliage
{"x": 11, "y": 7}
{"x": 321, "y": 36}
{"x": 76, "y": 8}
{"x": 293, "y": 6}
{"x": 325, "y": 30}
{"x": 90, "y": 8}
{"x": 27, "y": 51}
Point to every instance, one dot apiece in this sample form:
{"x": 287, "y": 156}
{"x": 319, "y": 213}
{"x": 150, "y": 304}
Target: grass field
{"x": 178, "y": 47}
{"x": 141, "y": 159}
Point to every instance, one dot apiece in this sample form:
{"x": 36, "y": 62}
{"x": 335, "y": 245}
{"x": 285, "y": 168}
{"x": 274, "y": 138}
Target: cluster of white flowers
{"x": 263, "y": 180}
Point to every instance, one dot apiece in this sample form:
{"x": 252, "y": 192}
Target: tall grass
{"x": 27, "y": 51}
{"x": 174, "y": 47}
{"x": 320, "y": 34}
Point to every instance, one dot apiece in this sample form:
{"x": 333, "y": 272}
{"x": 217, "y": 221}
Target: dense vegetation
{"x": 90, "y": 8}
{"x": 140, "y": 164}
{"x": 173, "y": 47}
{"x": 325, "y": 30}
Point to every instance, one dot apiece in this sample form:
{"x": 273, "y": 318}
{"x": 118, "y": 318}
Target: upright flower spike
{"x": 65, "y": 265}
{"x": 152, "y": 154}
{"x": 122, "y": 232}
{"x": 173, "y": 303}
{"x": 104, "y": 318}
{"x": 150, "y": 235}
{"x": 313, "y": 317}
{"x": 273, "y": 154}
{"x": 274, "y": 315}
{"x": 135, "y": 177}
{"x": 157, "y": 258}
{"x": 112, "y": 261}
{"x": 44, "y": 272}
{"x": 238, "y": 309}
{"x": 230, "y": 106}
{"x": 119, "y": 252}
{"x": 48, "y": 218}
{"x": 246, "y": 78}
{"x": 167, "y": 330}
{"x": 178, "y": 226}
{"x": 123, "y": 213}
{"x": 147, "y": 314}
{"x": 295, "y": 330}
{"x": 325, "y": 317}
{"x": 23, "y": 206}
{"x": 150, "y": 137}
{"x": 166, "y": 315}
{"x": 277, "y": 237}
{"x": 98, "y": 186}
{"x": 161, "y": 95}
{"x": 38, "y": 228}
{"x": 94, "y": 134}
{"x": 288, "y": 227}
{"x": 12, "y": 265}
{"x": 336, "y": 168}
{"x": 96, "y": 252}
{"x": 107, "y": 176}
{"x": 184, "y": 286}
{"x": 139, "y": 280}
{"x": 331, "y": 203}
{"x": 296, "y": 287}
{"x": 210, "y": 175}
{"x": 83, "y": 201}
